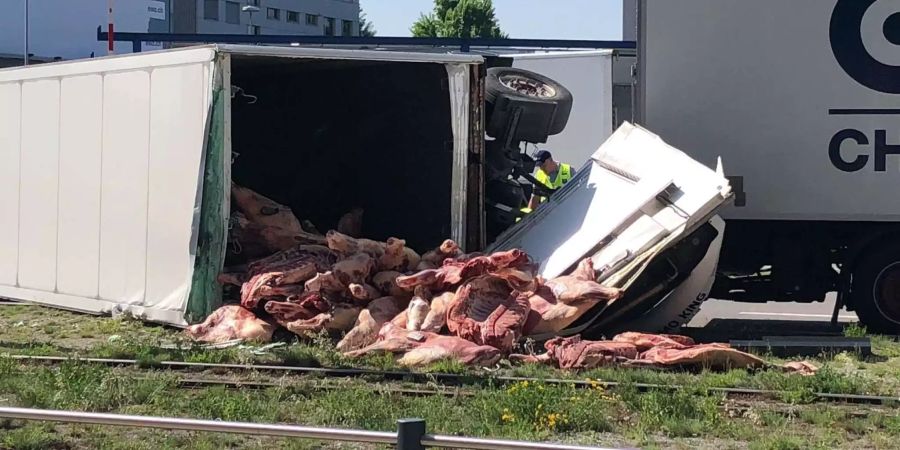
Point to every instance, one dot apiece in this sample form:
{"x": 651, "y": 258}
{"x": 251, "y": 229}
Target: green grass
{"x": 854, "y": 330}
{"x": 531, "y": 411}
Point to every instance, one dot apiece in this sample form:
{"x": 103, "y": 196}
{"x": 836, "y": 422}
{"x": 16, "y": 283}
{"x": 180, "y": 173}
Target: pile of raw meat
{"x": 383, "y": 297}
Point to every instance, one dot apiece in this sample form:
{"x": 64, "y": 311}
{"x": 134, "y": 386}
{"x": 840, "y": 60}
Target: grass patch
{"x": 780, "y": 443}
{"x": 679, "y": 413}
{"x": 854, "y": 330}
{"x": 31, "y": 436}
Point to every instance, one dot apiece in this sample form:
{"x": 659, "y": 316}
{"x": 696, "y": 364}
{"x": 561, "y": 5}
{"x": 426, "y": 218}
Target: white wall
{"x": 67, "y": 28}
{"x": 588, "y": 76}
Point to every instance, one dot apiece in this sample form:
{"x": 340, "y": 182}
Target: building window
{"x": 211, "y": 9}
{"x": 293, "y": 17}
{"x": 232, "y": 12}
{"x": 312, "y": 19}
{"x": 273, "y": 13}
{"x": 329, "y": 26}
{"x": 255, "y": 29}
{"x": 347, "y": 28}
{"x": 253, "y": 2}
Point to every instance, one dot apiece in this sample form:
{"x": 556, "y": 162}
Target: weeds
{"x": 854, "y": 330}
{"x": 679, "y": 413}
{"x": 32, "y": 436}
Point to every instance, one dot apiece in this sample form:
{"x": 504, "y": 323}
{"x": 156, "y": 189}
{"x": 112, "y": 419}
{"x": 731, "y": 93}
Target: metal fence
{"x": 410, "y": 434}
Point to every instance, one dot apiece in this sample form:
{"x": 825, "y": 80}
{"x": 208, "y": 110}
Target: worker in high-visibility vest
{"x": 550, "y": 173}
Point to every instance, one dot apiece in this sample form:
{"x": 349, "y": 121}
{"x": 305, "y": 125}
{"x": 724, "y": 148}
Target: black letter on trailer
{"x": 882, "y": 149}
{"x": 834, "y": 150}
{"x": 850, "y": 51}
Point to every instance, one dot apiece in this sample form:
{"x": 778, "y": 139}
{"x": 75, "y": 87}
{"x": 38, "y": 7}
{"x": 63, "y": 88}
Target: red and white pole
{"x": 110, "y": 41}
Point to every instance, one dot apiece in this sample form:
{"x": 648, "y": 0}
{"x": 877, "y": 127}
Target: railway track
{"x": 419, "y": 377}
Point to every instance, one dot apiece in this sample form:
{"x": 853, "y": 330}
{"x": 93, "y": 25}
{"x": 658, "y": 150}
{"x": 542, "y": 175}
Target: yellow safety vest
{"x": 563, "y": 177}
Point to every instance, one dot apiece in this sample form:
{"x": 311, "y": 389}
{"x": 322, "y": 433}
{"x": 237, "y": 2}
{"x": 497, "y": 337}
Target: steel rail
{"x": 296, "y": 431}
{"x": 465, "y": 379}
{"x": 172, "y": 423}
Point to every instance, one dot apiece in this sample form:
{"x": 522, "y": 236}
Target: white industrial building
{"x": 68, "y": 28}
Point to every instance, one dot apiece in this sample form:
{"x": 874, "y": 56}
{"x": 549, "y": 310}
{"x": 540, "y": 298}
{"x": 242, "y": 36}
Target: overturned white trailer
{"x": 115, "y": 172}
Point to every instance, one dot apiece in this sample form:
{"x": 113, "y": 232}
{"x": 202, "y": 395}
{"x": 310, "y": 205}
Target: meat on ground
{"x": 369, "y": 323}
{"x": 487, "y": 311}
{"x": 646, "y": 341}
{"x": 575, "y": 353}
{"x": 231, "y": 322}
{"x": 422, "y": 347}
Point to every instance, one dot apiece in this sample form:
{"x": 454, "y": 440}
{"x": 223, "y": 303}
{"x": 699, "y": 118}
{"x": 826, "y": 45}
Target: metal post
{"x": 25, "y": 58}
{"x": 409, "y": 434}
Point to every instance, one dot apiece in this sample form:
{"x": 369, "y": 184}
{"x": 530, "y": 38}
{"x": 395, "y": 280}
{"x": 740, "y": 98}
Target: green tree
{"x": 366, "y": 29}
{"x": 459, "y": 18}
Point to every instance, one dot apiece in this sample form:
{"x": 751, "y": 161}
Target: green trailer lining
{"x": 206, "y": 293}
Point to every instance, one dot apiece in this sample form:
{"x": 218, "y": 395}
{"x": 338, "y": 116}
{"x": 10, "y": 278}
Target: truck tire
{"x": 526, "y": 85}
{"x": 875, "y": 290}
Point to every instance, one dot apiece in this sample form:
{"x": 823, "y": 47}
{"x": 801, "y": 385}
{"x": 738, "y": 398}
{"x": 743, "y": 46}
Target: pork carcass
{"x": 364, "y": 292}
{"x": 575, "y": 353}
{"x": 435, "y": 258}
{"x": 351, "y": 223}
{"x": 267, "y": 278}
{"x": 557, "y": 303}
{"x": 397, "y": 256}
{"x": 369, "y": 323}
{"x": 346, "y": 245}
{"x": 485, "y": 310}
{"x": 437, "y": 312}
{"x": 418, "y": 309}
{"x": 422, "y": 347}
{"x": 712, "y": 356}
{"x": 321, "y": 255}
{"x": 325, "y": 282}
{"x": 354, "y": 269}
{"x": 339, "y": 318}
{"x": 231, "y": 322}
{"x": 275, "y": 223}
{"x": 514, "y": 265}
{"x": 300, "y": 307}
{"x": 386, "y": 282}
{"x": 647, "y": 341}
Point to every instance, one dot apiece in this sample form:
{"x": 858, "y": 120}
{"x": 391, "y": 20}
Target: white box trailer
{"x": 801, "y": 100}
{"x": 115, "y": 172}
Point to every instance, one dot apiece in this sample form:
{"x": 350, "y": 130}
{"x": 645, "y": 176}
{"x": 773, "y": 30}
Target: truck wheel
{"x": 523, "y": 84}
{"x": 876, "y": 290}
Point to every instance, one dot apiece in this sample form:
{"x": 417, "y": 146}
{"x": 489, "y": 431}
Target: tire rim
{"x": 527, "y": 86}
{"x": 886, "y": 292}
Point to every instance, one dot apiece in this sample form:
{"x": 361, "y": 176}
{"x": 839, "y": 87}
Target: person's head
{"x": 545, "y": 161}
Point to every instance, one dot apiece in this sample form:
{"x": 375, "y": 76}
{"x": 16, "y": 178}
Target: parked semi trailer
{"x": 801, "y": 99}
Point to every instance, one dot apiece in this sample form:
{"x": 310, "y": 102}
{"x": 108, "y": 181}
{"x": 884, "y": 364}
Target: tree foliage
{"x": 459, "y": 18}
{"x": 366, "y": 29}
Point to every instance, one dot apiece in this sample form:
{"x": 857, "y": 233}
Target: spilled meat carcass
{"x": 487, "y": 311}
{"x": 268, "y": 223}
{"x": 231, "y": 322}
{"x": 422, "y": 347}
{"x": 557, "y": 303}
{"x": 513, "y": 265}
{"x": 576, "y": 353}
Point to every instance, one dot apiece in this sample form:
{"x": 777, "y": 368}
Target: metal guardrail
{"x": 410, "y": 433}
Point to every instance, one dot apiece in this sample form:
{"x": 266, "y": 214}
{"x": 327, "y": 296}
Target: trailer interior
{"x": 326, "y": 136}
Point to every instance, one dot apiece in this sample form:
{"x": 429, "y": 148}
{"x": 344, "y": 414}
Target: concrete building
{"x": 67, "y": 29}
{"x": 302, "y": 17}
